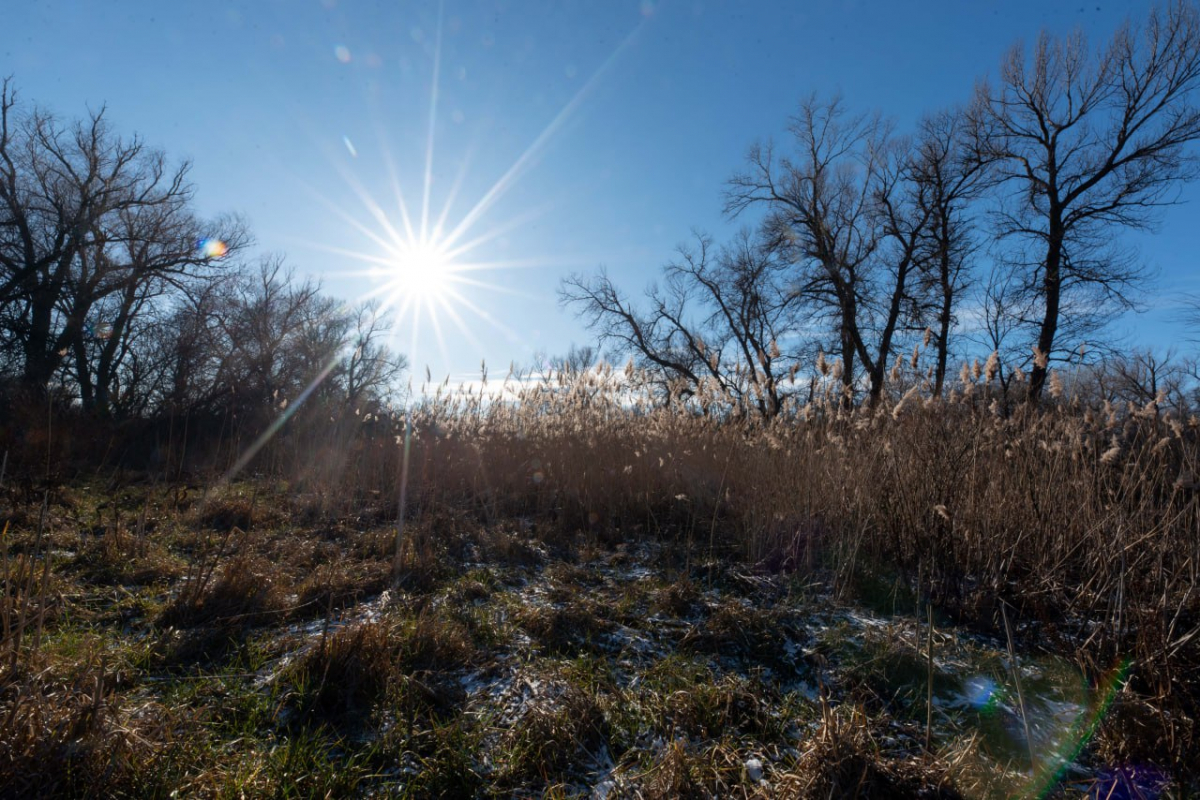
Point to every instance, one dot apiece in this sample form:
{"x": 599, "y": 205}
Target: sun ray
{"x": 525, "y": 160}
{"x": 492, "y": 287}
{"x": 345, "y": 217}
{"x": 460, "y": 323}
{"x": 416, "y": 325}
{"x": 437, "y": 328}
{"x": 433, "y": 103}
{"x": 274, "y": 428}
{"x": 523, "y": 263}
{"x": 422, "y": 273}
{"x": 373, "y": 208}
{"x": 438, "y": 226}
{"x": 394, "y": 296}
{"x": 482, "y": 314}
{"x": 380, "y": 264}
{"x": 498, "y": 230}
{"x": 355, "y": 186}
{"x": 369, "y": 202}
{"x": 394, "y": 180}
{"x": 357, "y": 255}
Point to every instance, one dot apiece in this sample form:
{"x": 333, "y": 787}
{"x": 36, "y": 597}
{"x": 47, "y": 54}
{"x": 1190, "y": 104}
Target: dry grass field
{"x": 582, "y": 595}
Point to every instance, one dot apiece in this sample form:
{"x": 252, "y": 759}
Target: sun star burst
{"x": 422, "y": 263}
{"x": 423, "y": 272}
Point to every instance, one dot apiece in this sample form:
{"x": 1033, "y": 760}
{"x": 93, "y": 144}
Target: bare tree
{"x": 662, "y": 340}
{"x": 251, "y": 344}
{"x": 90, "y": 222}
{"x": 138, "y": 264}
{"x": 952, "y": 165}
{"x": 192, "y": 355}
{"x": 370, "y": 368}
{"x": 1085, "y": 144}
{"x": 853, "y": 209}
{"x": 573, "y": 363}
{"x": 716, "y": 322}
{"x": 577, "y": 360}
{"x": 750, "y": 310}
{"x": 817, "y": 202}
{"x": 1142, "y": 377}
{"x": 1191, "y": 316}
{"x": 267, "y": 321}
{"x": 1004, "y": 308}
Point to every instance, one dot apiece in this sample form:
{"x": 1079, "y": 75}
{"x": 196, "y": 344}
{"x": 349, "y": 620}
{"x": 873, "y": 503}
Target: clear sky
{"x": 581, "y": 133}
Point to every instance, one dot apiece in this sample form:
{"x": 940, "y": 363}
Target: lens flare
{"x": 1079, "y": 733}
{"x": 212, "y": 248}
{"x": 1133, "y": 782}
{"x": 981, "y": 694}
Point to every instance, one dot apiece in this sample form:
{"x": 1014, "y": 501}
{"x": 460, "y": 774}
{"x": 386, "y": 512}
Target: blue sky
{"x": 623, "y": 119}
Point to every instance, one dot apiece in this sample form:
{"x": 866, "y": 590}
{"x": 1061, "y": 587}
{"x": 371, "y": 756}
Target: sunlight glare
{"x": 419, "y": 273}
{"x": 420, "y": 262}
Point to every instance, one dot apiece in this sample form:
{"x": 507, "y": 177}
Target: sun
{"x": 420, "y": 272}
{"x": 424, "y": 265}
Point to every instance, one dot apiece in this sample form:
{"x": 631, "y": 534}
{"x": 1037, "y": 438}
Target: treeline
{"x": 992, "y": 228}
{"x": 881, "y": 258}
{"x": 119, "y": 301}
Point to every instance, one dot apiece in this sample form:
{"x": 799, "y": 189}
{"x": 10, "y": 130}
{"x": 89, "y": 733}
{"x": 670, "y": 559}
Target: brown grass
{"x": 679, "y": 598}
{"x": 842, "y": 759}
{"x": 564, "y": 730}
{"x": 1072, "y": 514}
{"x": 243, "y": 592}
{"x": 349, "y": 671}
{"x": 575, "y": 627}
{"x": 75, "y": 735}
{"x": 340, "y": 583}
{"x": 738, "y": 629}
{"x": 1081, "y": 518}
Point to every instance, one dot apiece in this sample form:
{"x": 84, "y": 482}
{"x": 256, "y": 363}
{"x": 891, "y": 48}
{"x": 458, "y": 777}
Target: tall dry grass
{"x": 1084, "y": 519}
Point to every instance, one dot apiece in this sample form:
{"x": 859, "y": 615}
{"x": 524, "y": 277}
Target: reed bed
{"x": 1070, "y": 528}
{"x": 1083, "y": 518}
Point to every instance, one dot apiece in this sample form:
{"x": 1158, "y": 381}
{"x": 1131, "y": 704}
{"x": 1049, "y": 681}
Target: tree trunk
{"x": 39, "y": 360}
{"x": 943, "y": 341}
{"x": 847, "y": 337}
{"x": 1052, "y": 287}
{"x": 83, "y": 375}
